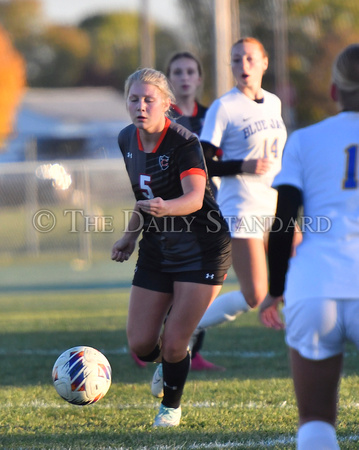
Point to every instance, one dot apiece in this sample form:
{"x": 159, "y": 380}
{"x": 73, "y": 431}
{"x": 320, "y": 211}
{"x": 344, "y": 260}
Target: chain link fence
{"x": 71, "y": 207}
{"x": 60, "y": 212}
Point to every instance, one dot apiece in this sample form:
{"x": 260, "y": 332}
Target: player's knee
{"x": 137, "y": 348}
{"x": 146, "y": 353}
{"x": 173, "y": 350}
{"x": 140, "y": 345}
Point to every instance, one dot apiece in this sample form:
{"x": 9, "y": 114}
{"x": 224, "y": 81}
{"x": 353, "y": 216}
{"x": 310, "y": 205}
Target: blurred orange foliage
{"x": 12, "y": 84}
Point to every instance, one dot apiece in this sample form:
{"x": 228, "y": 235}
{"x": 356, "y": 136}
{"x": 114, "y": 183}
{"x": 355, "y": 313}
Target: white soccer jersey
{"x": 322, "y": 161}
{"x": 245, "y": 129}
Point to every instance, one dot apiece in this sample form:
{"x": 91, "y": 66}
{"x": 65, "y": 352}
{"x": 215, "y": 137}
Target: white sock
{"x": 317, "y": 435}
{"x": 224, "y": 308}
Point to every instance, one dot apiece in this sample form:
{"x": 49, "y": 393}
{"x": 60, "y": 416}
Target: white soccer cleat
{"x": 157, "y": 382}
{"x": 168, "y": 417}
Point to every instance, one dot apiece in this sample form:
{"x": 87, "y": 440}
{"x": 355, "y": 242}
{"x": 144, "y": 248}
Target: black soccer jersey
{"x": 193, "y": 123}
{"x": 174, "y": 243}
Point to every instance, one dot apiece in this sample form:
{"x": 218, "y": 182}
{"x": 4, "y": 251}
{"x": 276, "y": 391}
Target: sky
{"x": 70, "y": 12}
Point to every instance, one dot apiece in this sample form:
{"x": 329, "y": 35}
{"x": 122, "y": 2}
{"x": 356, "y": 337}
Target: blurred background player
{"x": 246, "y": 124}
{"x": 185, "y": 73}
{"x": 180, "y": 270}
{"x": 321, "y": 292}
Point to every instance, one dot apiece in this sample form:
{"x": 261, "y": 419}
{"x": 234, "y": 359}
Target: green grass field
{"x": 250, "y": 406}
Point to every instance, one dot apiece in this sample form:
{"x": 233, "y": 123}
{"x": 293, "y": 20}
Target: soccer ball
{"x": 81, "y": 375}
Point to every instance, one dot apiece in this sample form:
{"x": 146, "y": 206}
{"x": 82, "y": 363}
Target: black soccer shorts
{"x": 164, "y": 281}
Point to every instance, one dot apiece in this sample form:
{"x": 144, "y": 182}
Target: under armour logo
{"x": 129, "y": 155}
{"x": 210, "y": 275}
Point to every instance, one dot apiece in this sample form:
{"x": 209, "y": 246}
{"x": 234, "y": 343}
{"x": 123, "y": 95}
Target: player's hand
{"x": 122, "y": 250}
{"x": 256, "y": 166}
{"x": 269, "y": 314}
{"x": 155, "y": 206}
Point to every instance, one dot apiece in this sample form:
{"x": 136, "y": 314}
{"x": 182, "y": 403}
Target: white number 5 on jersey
{"x": 145, "y": 181}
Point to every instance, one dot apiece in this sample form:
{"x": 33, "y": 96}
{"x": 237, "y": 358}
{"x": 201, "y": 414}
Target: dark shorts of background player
{"x": 163, "y": 281}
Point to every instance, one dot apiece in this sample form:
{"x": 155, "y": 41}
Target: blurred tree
{"x": 102, "y": 50}
{"x": 318, "y": 31}
{"x": 115, "y": 51}
{"x": 59, "y": 58}
{"x": 21, "y": 18}
{"x": 54, "y": 55}
{"x": 12, "y": 83}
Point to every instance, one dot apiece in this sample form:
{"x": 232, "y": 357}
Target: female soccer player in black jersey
{"x": 185, "y": 73}
{"x": 184, "y": 252}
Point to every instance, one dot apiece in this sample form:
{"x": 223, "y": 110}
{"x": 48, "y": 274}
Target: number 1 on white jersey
{"x": 350, "y": 179}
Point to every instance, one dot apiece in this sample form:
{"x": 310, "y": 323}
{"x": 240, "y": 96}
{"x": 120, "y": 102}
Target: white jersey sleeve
{"x": 292, "y": 167}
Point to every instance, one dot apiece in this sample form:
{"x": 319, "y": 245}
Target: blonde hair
{"x": 345, "y": 72}
{"x": 151, "y": 76}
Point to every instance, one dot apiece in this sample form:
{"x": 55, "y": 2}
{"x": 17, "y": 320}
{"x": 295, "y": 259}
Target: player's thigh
{"x": 250, "y": 266}
{"x": 146, "y": 313}
{"x": 316, "y": 385}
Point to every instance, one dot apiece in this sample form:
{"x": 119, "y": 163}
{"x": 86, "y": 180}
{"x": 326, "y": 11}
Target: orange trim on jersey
{"x": 193, "y": 171}
{"x": 139, "y": 143}
{"x": 178, "y": 110}
{"x": 163, "y": 134}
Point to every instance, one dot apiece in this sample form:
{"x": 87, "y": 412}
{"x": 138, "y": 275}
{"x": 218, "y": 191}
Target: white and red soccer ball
{"x": 82, "y": 375}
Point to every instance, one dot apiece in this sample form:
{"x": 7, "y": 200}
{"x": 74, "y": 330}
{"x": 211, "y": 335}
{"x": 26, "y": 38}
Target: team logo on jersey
{"x": 164, "y": 162}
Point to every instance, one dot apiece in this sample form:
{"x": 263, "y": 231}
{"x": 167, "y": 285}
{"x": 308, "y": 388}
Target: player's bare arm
{"x": 124, "y": 247}
{"x": 192, "y": 199}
